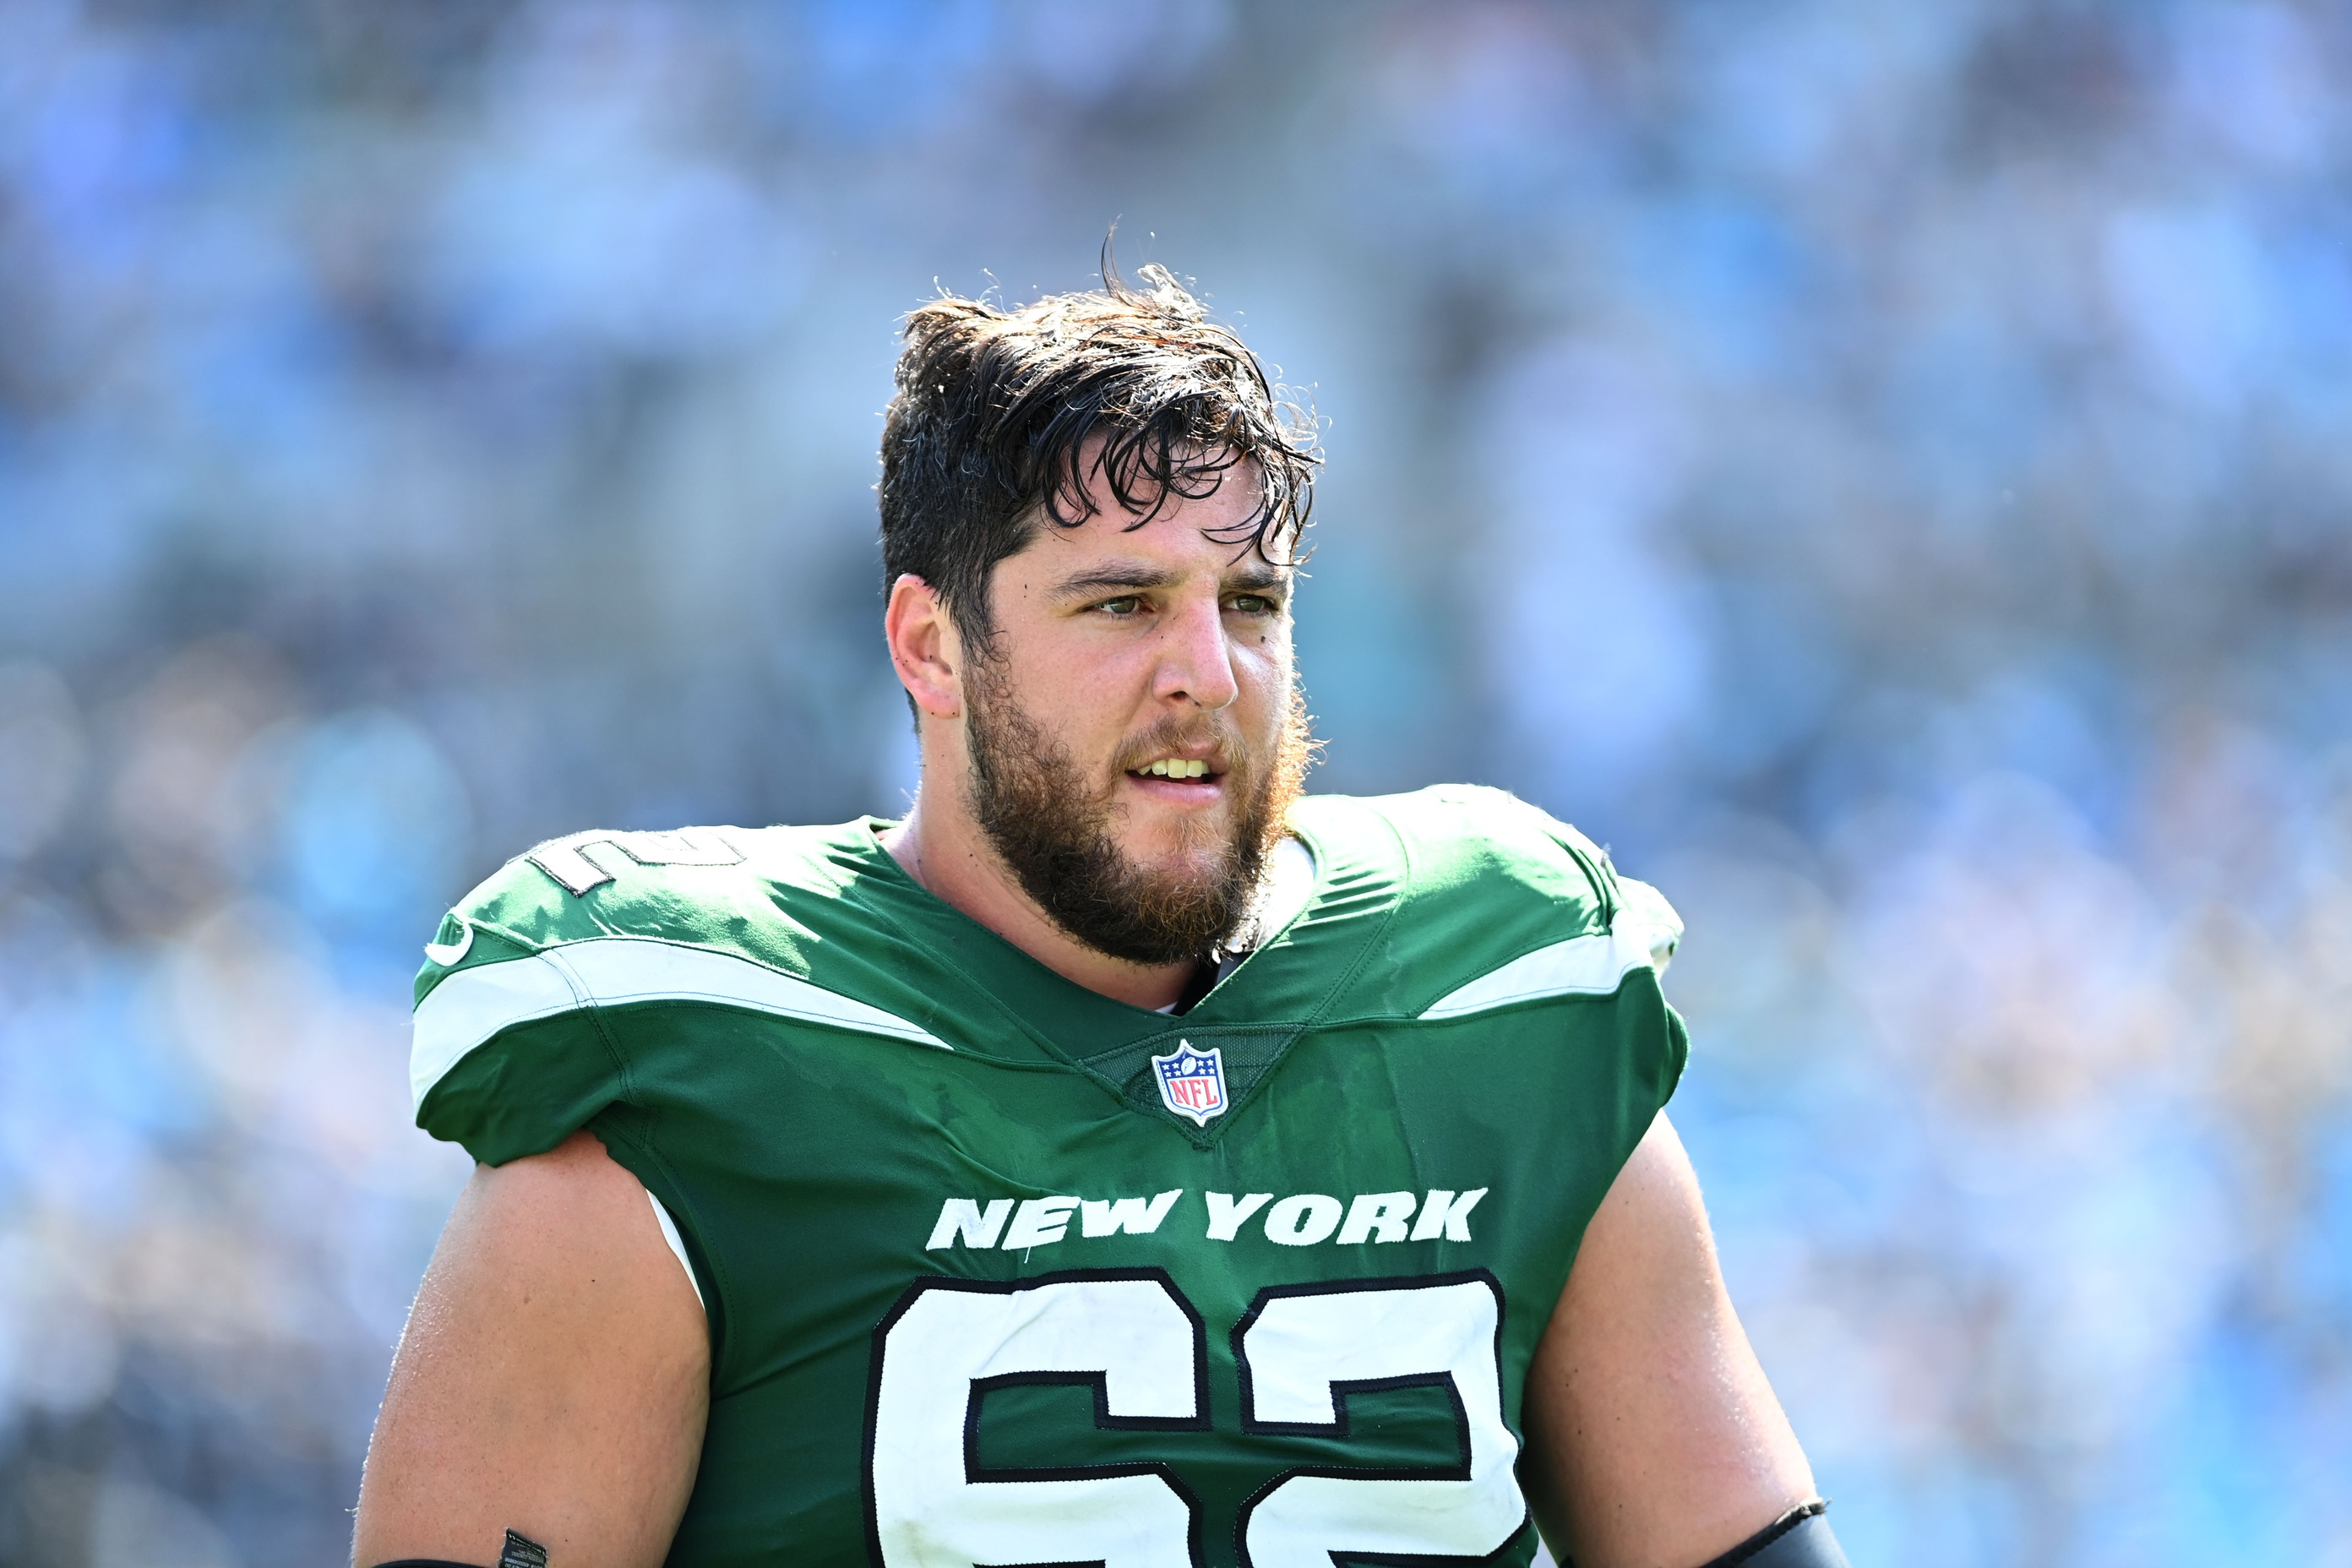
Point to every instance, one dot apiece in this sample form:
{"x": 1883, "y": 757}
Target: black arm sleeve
{"x": 521, "y": 1552}
{"x": 1800, "y": 1538}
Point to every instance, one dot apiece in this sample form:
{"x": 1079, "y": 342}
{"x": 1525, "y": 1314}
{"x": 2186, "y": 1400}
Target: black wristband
{"x": 1800, "y": 1538}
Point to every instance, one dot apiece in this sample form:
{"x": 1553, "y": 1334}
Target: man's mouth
{"x": 1185, "y": 770}
{"x": 1176, "y": 768}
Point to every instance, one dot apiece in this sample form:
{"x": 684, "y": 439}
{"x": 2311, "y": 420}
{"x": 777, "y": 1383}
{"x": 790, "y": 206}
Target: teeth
{"x": 1175, "y": 768}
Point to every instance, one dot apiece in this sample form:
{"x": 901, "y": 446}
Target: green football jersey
{"x": 999, "y": 1270}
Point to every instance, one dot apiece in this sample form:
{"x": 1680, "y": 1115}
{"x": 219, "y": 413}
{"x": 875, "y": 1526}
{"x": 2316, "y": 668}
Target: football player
{"x": 1122, "y": 1158}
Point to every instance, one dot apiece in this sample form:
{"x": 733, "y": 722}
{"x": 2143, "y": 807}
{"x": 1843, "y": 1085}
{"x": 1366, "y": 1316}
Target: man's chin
{"x": 1190, "y": 853}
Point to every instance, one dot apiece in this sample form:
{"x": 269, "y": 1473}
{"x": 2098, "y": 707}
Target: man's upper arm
{"x": 1654, "y": 1439}
{"x": 553, "y": 1378}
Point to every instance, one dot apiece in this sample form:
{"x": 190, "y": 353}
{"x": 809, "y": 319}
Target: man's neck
{"x": 953, "y": 862}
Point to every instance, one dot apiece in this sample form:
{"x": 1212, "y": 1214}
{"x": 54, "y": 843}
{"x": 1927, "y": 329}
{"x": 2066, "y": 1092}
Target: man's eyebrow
{"x": 1107, "y": 579}
{"x": 1255, "y": 578}
{"x": 1259, "y": 577}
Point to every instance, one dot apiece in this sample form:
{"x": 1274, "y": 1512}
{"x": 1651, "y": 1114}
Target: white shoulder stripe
{"x": 1585, "y": 965}
{"x": 470, "y": 1006}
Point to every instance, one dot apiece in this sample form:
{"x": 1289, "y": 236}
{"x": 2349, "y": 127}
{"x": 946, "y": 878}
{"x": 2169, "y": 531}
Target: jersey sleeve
{"x": 507, "y": 1056}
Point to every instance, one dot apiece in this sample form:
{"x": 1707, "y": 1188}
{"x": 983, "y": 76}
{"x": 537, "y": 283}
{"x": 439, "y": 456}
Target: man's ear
{"x": 924, "y": 648}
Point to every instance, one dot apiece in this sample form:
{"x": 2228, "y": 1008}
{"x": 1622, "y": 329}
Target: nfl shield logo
{"x": 1192, "y": 1083}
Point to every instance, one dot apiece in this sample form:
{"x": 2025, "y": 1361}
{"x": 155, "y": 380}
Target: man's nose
{"x": 1196, "y": 661}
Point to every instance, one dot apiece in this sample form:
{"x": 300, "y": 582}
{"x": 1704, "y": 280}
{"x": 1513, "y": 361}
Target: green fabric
{"x": 807, "y": 1164}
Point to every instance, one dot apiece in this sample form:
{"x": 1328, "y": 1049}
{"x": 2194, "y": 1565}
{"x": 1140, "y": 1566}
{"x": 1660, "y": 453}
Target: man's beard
{"x": 1054, "y": 832}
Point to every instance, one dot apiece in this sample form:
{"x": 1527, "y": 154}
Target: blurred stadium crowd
{"x": 1885, "y": 469}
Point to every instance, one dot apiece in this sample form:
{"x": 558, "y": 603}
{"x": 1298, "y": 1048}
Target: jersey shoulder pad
{"x": 689, "y": 884}
{"x": 1474, "y": 857}
{"x": 1501, "y": 902}
{"x": 507, "y": 1055}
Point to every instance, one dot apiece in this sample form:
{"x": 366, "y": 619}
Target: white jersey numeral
{"x": 584, "y": 860}
{"x": 1134, "y": 1338}
{"x": 1139, "y": 1343}
{"x": 1301, "y": 1348}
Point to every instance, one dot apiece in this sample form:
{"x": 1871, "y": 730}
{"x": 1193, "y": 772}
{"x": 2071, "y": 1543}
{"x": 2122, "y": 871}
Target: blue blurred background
{"x": 1882, "y": 468}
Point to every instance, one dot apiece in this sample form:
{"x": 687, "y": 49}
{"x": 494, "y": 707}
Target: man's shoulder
{"x": 740, "y": 890}
{"x": 522, "y": 988}
{"x": 1477, "y": 880}
{"x": 1451, "y": 841}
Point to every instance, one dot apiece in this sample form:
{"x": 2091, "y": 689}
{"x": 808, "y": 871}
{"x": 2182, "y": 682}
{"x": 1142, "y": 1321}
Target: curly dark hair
{"x": 992, "y": 432}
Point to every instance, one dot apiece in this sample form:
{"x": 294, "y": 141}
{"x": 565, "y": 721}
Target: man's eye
{"x": 1122, "y": 607}
{"x": 1252, "y": 605}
